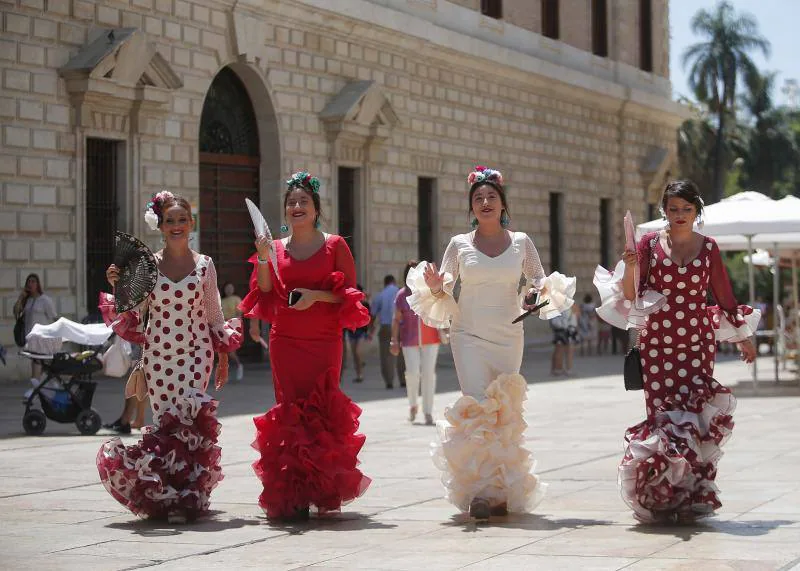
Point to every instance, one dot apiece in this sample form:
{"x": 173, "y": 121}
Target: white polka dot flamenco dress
{"x": 176, "y": 464}
{"x": 670, "y": 460}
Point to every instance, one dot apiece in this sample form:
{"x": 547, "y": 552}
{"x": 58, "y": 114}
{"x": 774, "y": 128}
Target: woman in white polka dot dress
{"x": 670, "y": 462}
{"x": 173, "y": 469}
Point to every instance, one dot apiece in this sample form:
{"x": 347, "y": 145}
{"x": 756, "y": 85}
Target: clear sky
{"x": 778, "y": 21}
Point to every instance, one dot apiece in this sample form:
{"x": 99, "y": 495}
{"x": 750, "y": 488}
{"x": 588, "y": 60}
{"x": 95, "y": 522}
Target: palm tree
{"x": 769, "y": 147}
{"x": 716, "y": 65}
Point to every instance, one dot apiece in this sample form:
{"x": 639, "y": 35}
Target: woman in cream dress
{"x": 486, "y": 469}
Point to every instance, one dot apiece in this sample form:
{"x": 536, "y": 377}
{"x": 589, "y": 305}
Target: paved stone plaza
{"x": 56, "y": 514}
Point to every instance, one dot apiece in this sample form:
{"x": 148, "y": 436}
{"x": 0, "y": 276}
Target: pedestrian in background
{"x": 587, "y": 326}
{"x": 37, "y": 308}
{"x": 565, "y": 337}
{"x": 230, "y": 309}
{"x": 420, "y": 349}
{"x": 355, "y": 337}
{"x": 383, "y": 314}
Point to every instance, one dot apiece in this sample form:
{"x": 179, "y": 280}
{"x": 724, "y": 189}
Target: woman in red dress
{"x": 308, "y": 441}
{"x": 670, "y": 462}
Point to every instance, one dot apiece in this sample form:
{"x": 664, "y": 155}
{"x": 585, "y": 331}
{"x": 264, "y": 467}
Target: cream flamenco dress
{"x": 480, "y": 449}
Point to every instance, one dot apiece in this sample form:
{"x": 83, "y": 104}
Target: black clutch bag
{"x": 633, "y": 370}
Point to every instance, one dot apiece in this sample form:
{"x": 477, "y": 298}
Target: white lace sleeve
{"x": 556, "y": 289}
{"x": 226, "y": 336}
{"x": 435, "y": 311}
{"x": 532, "y": 266}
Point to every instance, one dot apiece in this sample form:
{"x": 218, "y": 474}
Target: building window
{"x": 426, "y": 216}
{"x": 347, "y": 207}
{"x": 646, "y": 35}
{"x": 556, "y": 233}
{"x": 550, "y": 26}
{"x": 605, "y": 232}
{"x": 492, "y": 8}
{"x": 103, "y": 176}
{"x": 599, "y": 28}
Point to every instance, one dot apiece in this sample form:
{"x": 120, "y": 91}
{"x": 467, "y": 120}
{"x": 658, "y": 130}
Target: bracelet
{"x": 260, "y": 261}
{"x": 439, "y": 293}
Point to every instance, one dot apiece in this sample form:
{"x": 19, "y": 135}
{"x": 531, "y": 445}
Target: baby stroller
{"x": 66, "y": 393}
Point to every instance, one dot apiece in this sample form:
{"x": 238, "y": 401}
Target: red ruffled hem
{"x": 352, "y": 313}
{"x": 670, "y": 462}
{"x": 125, "y": 325}
{"x": 174, "y": 467}
{"x": 309, "y": 454}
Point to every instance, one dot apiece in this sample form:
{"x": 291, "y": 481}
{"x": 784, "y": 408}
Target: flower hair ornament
{"x": 494, "y": 178}
{"x": 485, "y": 175}
{"x": 155, "y": 208}
{"x": 305, "y": 180}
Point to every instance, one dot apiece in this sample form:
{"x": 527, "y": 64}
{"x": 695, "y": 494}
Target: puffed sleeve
{"x": 557, "y": 289}
{"x": 342, "y": 282}
{"x": 226, "y": 336}
{"x": 435, "y": 311}
{"x": 614, "y": 308}
{"x": 127, "y": 325}
{"x": 732, "y": 322}
{"x": 258, "y": 304}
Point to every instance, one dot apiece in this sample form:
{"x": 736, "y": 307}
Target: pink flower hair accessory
{"x": 155, "y": 208}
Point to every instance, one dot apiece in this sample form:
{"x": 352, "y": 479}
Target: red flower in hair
{"x": 307, "y": 179}
{"x": 480, "y": 168}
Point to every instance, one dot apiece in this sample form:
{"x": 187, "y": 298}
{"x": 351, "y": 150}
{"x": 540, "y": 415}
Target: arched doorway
{"x": 229, "y": 172}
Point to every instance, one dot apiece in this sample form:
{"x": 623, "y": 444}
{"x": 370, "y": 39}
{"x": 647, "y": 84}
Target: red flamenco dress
{"x": 671, "y": 457}
{"x": 308, "y": 441}
{"x": 176, "y": 464}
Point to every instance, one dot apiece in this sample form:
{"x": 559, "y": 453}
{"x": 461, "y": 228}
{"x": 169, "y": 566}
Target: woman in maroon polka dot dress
{"x": 172, "y": 470}
{"x": 670, "y": 462}
{"x": 308, "y": 441}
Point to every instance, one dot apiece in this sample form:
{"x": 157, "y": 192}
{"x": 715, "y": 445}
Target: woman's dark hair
{"x": 38, "y": 282}
{"x": 684, "y": 189}
{"x": 314, "y": 198}
{"x": 410, "y": 264}
{"x": 176, "y": 200}
{"x": 491, "y": 184}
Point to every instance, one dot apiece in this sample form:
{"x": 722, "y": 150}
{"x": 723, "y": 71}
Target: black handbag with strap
{"x": 19, "y": 330}
{"x": 632, "y": 370}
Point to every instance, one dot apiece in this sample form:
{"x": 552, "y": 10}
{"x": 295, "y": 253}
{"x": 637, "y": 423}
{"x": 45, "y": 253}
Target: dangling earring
{"x": 284, "y": 228}
{"x": 474, "y": 223}
{"x": 504, "y": 219}
{"x": 317, "y": 222}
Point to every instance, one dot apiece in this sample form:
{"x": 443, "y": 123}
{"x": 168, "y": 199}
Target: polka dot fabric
{"x": 670, "y": 459}
{"x": 176, "y": 464}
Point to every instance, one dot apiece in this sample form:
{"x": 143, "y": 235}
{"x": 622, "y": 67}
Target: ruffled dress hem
{"x": 480, "y": 450}
{"x": 670, "y": 459}
{"x": 174, "y": 467}
{"x": 309, "y": 454}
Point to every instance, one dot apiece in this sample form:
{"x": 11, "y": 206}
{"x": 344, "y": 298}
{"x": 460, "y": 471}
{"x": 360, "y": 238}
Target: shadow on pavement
{"x": 156, "y": 528}
{"x": 735, "y": 528}
{"x": 344, "y": 521}
{"x": 531, "y": 522}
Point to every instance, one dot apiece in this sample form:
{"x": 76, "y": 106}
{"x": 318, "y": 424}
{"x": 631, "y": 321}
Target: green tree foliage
{"x": 715, "y": 66}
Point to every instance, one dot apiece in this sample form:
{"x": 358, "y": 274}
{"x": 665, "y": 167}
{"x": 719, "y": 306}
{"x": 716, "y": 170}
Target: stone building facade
{"x": 389, "y": 102}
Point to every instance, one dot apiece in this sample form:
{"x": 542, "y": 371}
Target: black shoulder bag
{"x": 19, "y": 325}
{"x": 632, "y": 372}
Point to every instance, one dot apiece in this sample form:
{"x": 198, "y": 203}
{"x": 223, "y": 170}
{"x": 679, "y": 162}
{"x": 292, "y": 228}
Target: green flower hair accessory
{"x": 305, "y": 180}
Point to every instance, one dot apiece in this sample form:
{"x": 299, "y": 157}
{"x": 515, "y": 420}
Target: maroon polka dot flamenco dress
{"x": 176, "y": 464}
{"x": 670, "y": 460}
